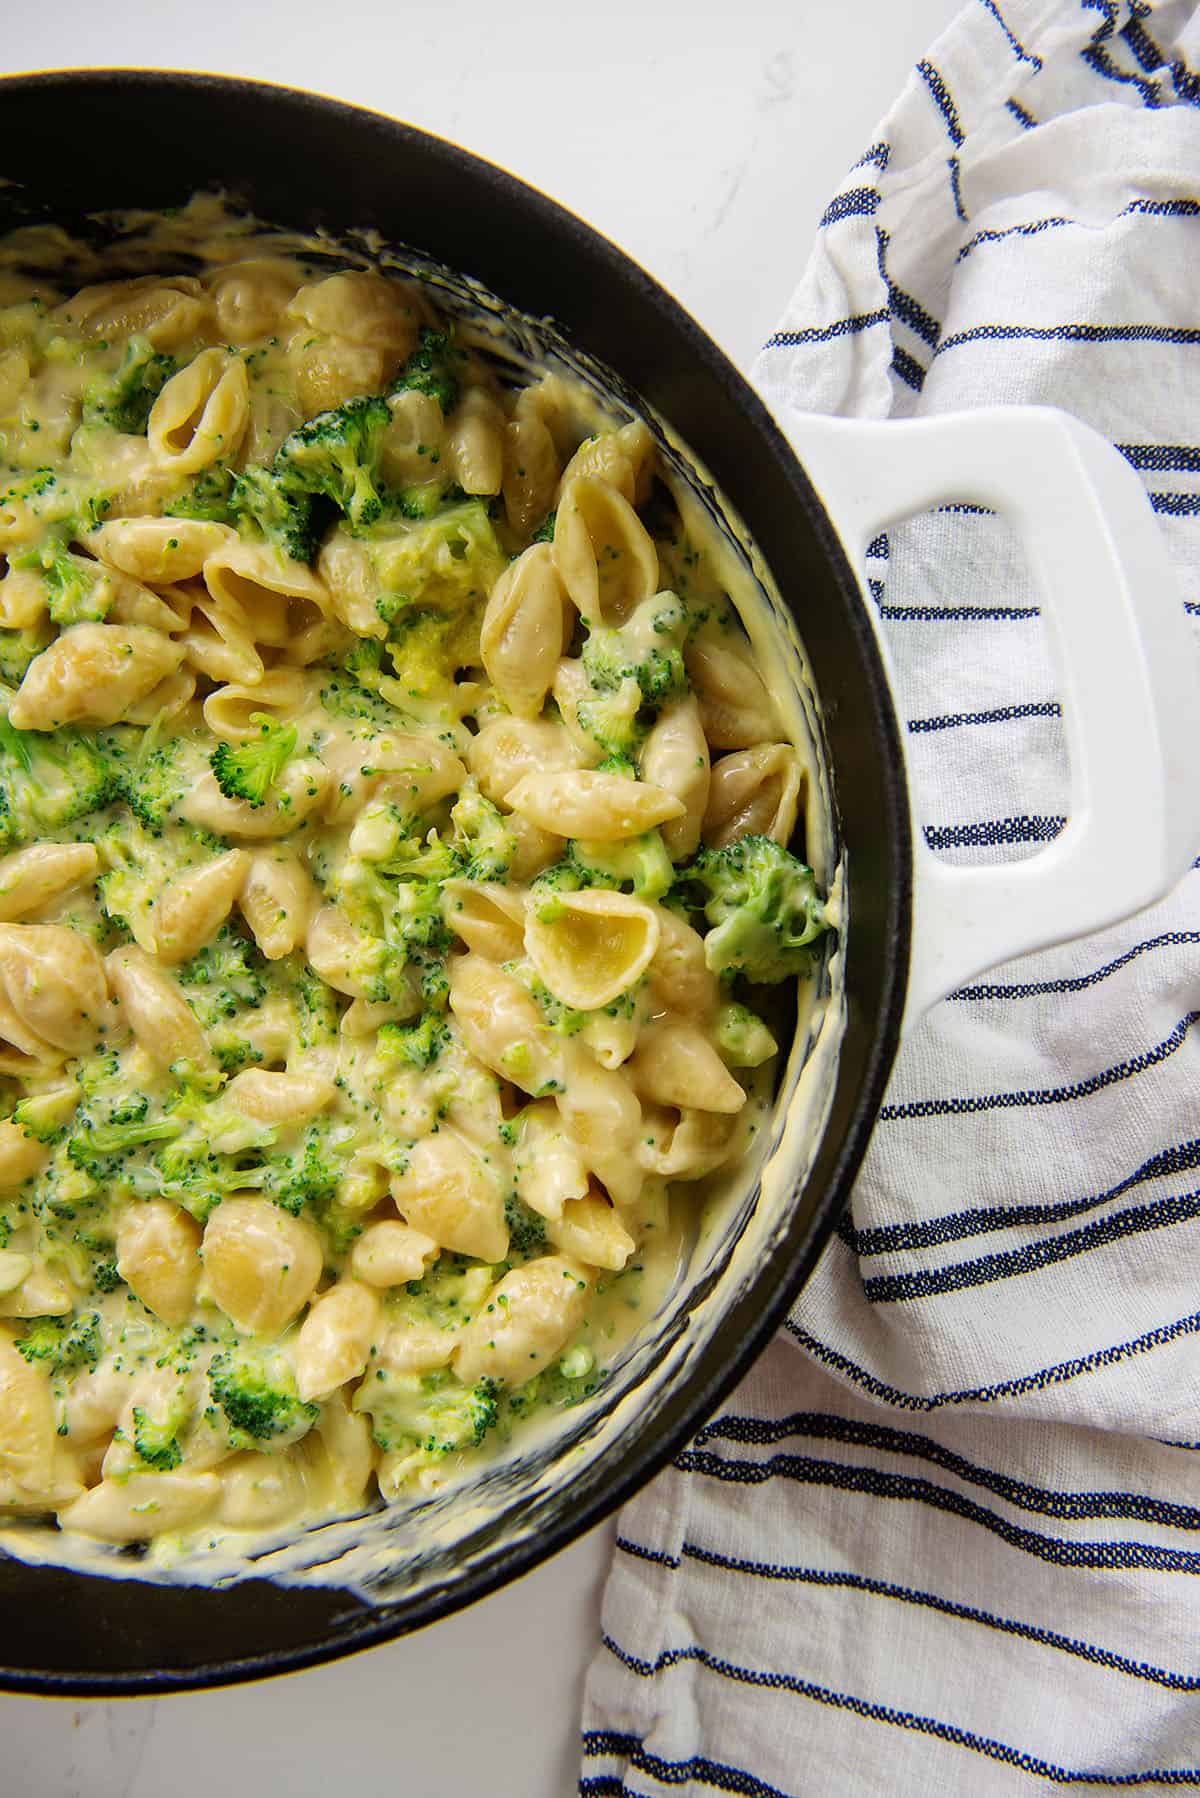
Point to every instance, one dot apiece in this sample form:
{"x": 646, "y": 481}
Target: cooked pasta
{"x": 394, "y": 859}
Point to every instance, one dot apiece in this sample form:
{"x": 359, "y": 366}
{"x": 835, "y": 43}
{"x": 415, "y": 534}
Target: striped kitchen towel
{"x": 945, "y": 1538}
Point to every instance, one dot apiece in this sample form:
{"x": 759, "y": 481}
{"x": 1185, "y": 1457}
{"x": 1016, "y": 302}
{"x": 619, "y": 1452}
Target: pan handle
{"x": 1127, "y": 667}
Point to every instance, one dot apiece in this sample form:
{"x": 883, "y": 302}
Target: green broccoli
{"x": 62, "y": 1344}
{"x": 763, "y": 908}
{"x": 290, "y": 521}
{"x": 433, "y": 1413}
{"x": 250, "y": 770}
{"x": 151, "y": 777}
{"x": 526, "y": 1230}
{"x": 75, "y": 588}
{"x": 258, "y": 1397}
{"x": 743, "y": 1038}
{"x": 124, "y": 400}
{"x": 482, "y": 835}
{"x": 224, "y": 978}
{"x": 19, "y": 647}
{"x": 310, "y": 1174}
{"x": 337, "y": 454}
{"x": 209, "y": 497}
{"x": 431, "y": 369}
{"x": 100, "y": 1149}
{"x": 647, "y": 648}
{"x": 156, "y": 1442}
{"x": 48, "y": 780}
{"x": 415, "y": 1045}
{"x": 545, "y": 530}
{"x": 641, "y": 863}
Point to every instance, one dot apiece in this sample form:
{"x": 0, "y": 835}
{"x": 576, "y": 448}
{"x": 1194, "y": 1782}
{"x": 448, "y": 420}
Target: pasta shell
{"x": 524, "y": 630}
{"x": 675, "y": 1064}
{"x": 413, "y": 445}
{"x": 229, "y": 712}
{"x": 755, "y": 792}
{"x": 508, "y": 748}
{"x": 603, "y": 551}
{"x": 330, "y": 370}
{"x": 680, "y": 978}
{"x": 524, "y": 1323}
{"x": 546, "y": 1162}
{"x": 159, "y": 550}
{"x": 335, "y": 1339}
{"x": 586, "y": 802}
{"x": 735, "y": 707}
{"x": 201, "y": 413}
{"x": 445, "y": 1192}
{"x": 191, "y": 908}
{"x": 155, "y": 1010}
{"x": 603, "y": 1117}
{"x": 475, "y": 443}
{"x": 260, "y": 1265}
{"x": 53, "y": 979}
{"x": 21, "y": 1156}
{"x": 391, "y": 1253}
{"x": 278, "y": 598}
{"x": 685, "y": 1145}
{"x": 30, "y": 878}
{"x": 168, "y": 312}
{"x": 489, "y": 918}
{"x": 92, "y": 673}
{"x": 251, "y": 296}
{"x": 276, "y": 1098}
{"x": 137, "y": 1506}
{"x": 591, "y": 947}
{"x": 675, "y": 758}
{"x": 591, "y": 1231}
{"x": 413, "y": 771}
{"x": 361, "y": 308}
{"x": 158, "y": 1257}
{"x": 502, "y": 1026}
{"x": 531, "y": 470}
{"x": 278, "y": 900}
{"x": 296, "y": 795}
{"x": 27, "y": 1436}
{"x": 261, "y": 1491}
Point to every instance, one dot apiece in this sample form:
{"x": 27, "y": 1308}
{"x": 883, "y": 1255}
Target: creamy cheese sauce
{"x": 383, "y": 1073}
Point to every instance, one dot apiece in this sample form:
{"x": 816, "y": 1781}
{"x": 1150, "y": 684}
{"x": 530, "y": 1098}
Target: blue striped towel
{"x": 945, "y": 1538}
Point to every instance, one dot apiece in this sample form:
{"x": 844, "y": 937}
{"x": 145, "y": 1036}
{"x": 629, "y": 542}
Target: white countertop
{"x": 705, "y": 142}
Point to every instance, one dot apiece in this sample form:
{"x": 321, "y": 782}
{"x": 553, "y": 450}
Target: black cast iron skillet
{"x": 79, "y": 142}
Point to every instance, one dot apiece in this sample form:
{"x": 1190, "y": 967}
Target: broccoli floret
{"x": 763, "y": 908}
{"x": 336, "y": 454}
{"x": 48, "y": 780}
{"x": 647, "y": 649}
{"x": 482, "y": 835}
{"x": 433, "y": 1413}
{"x": 151, "y": 777}
{"x": 124, "y": 401}
{"x": 311, "y": 1174}
{"x": 208, "y": 497}
{"x": 641, "y": 863}
{"x": 743, "y": 1038}
{"x": 19, "y": 647}
{"x": 100, "y": 1150}
{"x": 250, "y": 770}
{"x": 545, "y": 530}
{"x": 74, "y": 587}
{"x": 105, "y": 1277}
{"x": 526, "y": 1230}
{"x": 432, "y": 369}
{"x": 291, "y": 521}
{"x": 613, "y": 717}
{"x": 415, "y": 1045}
{"x": 223, "y": 978}
{"x": 61, "y": 1344}
{"x": 156, "y": 1442}
{"x": 258, "y": 1397}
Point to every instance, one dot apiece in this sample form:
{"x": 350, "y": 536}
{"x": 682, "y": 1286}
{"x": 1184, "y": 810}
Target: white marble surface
{"x": 705, "y": 141}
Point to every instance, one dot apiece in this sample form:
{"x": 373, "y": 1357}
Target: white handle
{"x": 1128, "y": 672}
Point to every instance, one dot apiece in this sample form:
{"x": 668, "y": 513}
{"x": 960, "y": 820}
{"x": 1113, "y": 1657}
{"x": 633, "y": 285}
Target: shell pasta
{"x": 396, "y": 854}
